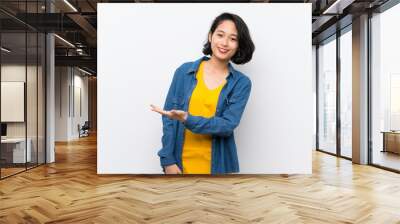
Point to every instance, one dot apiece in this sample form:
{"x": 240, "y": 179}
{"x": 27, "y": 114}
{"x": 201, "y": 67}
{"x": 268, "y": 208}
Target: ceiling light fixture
{"x": 70, "y": 5}
{"x": 337, "y": 7}
{"x": 5, "y": 50}
{"x": 84, "y": 71}
{"x": 64, "y": 40}
{"x": 79, "y": 51}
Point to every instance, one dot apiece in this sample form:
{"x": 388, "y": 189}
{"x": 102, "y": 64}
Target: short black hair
{"x": 246, "y": 46}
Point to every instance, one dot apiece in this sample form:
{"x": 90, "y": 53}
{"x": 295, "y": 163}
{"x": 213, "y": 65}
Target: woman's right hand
{"x": 172, "y": 169}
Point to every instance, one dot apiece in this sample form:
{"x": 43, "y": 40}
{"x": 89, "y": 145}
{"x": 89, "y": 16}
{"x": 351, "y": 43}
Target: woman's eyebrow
{"x": 224, "y": 32}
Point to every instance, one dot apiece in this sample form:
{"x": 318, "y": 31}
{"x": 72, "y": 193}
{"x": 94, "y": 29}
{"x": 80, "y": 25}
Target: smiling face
{"x": 224, "y": 41}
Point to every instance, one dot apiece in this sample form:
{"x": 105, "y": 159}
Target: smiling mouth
{"x": 223, "y": 50}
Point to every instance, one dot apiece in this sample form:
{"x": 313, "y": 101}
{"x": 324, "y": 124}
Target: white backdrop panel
{"x": 141, "y": 45}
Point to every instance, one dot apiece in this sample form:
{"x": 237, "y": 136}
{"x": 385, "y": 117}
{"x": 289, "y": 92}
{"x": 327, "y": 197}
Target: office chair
{"x": 84, "y": 130}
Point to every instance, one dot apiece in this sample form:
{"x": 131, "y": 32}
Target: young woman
{"x": 205, "y": 102}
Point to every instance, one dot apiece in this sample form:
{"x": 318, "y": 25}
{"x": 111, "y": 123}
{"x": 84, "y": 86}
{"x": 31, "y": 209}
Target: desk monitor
{"x": 3, "y": 129}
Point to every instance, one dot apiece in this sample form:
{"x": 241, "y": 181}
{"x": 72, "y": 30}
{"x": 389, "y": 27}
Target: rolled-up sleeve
{"x": 225, "y": 124}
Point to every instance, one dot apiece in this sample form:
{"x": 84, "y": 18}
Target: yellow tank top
{"x": 196, "y": 154}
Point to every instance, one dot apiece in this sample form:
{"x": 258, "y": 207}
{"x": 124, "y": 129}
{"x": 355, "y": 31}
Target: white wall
{"x": 67, "y": 84}
{"x": 135, "y": 67}
{"x": 61, "y": 103}
{"x": 79, "y": 117}
{"x": 314, "y": 88}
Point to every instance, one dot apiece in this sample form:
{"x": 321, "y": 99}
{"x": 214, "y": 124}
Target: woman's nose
{"x": 225, "y": 41}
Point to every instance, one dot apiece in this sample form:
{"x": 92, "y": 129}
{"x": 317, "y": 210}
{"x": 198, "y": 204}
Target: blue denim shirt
{"x": 231, "y": 103}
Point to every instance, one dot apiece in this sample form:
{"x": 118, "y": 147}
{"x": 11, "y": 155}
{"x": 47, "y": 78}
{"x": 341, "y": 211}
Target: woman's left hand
{"x": 172, "y": 114}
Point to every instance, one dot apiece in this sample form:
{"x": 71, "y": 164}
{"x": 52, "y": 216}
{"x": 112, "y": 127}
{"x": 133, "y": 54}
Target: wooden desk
{"x": 391, "y": 141}
{"x": 13, "y": 150}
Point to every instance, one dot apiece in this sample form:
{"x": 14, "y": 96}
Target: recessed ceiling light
{"x": 64, "y": 40}
{"x": 5, "y": 50}
{"x": 84, "y": 71}
{"x": 338, "y": 6}
{"x": 70, "y": 5}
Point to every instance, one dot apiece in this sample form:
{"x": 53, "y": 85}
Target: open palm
{"x": 172, "y": 114}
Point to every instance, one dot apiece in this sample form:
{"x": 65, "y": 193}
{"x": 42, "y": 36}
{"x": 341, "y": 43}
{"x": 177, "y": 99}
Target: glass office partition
{"x": 22, "y": 63}
{"x": 327, "y": 96}
{"x": 41, "y": 107}
{"x": 385, "y": 89}
{"x": 32, "y": 95}
{"x": 14, "y": 153}
{"x": 35, "y": 87}
{"x": 346, "y": 93}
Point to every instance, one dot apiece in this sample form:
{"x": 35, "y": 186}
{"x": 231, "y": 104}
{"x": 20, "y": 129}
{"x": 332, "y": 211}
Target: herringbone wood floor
{"x": 70, "y": 191}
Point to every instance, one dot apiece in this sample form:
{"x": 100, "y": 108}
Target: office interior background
{"x": 48, "y": 99}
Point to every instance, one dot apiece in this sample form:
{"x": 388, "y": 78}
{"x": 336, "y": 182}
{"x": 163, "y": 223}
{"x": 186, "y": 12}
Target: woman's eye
{"x": 233, "y": 39}
{"x": 220, "y": 35}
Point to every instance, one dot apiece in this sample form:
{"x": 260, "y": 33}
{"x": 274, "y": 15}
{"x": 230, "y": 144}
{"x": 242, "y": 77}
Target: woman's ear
{"x": 209, "y": 37}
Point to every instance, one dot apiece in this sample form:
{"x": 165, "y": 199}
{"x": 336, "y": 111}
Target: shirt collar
{"x": 195, "y": 66}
